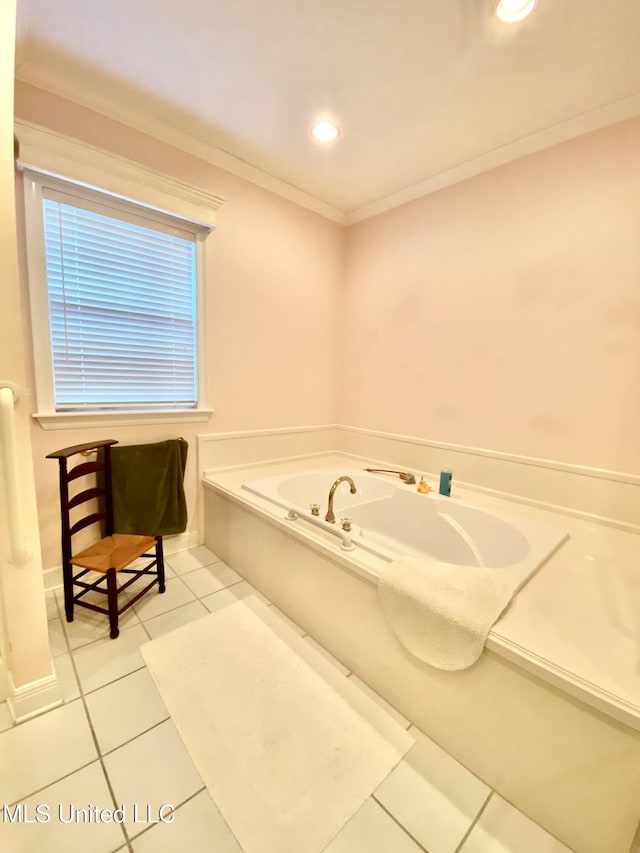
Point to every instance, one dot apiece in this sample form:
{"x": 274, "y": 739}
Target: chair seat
{"x": 113, "y": 552}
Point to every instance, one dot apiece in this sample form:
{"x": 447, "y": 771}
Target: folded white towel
{"x": 440, "y": 612}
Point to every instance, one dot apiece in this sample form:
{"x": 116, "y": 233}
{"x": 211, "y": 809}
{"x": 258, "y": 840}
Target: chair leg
{"x": 112, "y": 599}
{"x": 160, "y": 563}
{"x": 67, "y": 577}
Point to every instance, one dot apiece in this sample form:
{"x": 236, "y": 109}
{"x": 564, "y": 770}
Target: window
{"x": 122, "y": 311}
{"x": 116, "y": 295}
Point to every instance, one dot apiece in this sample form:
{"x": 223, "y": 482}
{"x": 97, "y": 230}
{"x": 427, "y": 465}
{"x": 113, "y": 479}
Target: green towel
{"x": 148, "y": 488}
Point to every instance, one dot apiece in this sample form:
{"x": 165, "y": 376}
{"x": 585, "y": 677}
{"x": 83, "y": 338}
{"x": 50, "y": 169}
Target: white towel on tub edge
{"x": 442, "y": 612}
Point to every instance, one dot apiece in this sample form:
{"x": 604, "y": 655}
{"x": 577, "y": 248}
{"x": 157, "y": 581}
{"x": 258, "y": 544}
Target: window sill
{"x": 73, "y": 420}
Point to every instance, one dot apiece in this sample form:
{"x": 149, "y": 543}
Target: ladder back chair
{"x": 110, "y": 555}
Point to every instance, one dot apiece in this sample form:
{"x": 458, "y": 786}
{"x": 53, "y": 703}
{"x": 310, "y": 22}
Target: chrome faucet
{"x": 330, "y": 517}
{"x": 404, "y": 475}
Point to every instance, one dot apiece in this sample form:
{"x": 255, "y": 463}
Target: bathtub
{"x": 391, "y": 519}
{"x": 577, "y": 745}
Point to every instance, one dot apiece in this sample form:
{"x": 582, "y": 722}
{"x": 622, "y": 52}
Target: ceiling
{"x": 425, "y": 93}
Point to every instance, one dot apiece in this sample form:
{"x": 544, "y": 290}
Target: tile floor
{"x": 113, "y": 742}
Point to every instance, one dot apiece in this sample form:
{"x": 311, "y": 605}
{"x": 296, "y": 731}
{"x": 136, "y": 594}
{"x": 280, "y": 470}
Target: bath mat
{"x": 288, "y": 747}
{"x": 440, "y": 612}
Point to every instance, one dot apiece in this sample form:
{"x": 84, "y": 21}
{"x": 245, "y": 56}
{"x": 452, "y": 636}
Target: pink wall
{"x": 504, "y": 312}
{"x": 274, "y": 271}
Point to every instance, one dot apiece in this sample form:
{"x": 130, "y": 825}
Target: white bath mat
{"x": 289, "y": 749}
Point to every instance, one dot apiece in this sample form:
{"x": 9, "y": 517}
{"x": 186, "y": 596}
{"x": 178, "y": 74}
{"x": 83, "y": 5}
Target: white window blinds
{"x": 122, "y": 308}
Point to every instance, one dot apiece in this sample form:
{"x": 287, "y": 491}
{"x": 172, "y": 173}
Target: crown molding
{"x": 137, "y": 119}
{"x": 564, "y": 131}
{"x": 47, "y": 152}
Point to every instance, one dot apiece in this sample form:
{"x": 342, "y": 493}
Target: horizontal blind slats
{"x": 118, "y": 258}
{"x": 122, "y": 312}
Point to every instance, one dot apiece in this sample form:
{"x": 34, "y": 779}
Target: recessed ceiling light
{"x": 511, "y": 11}
{"x": 324, "y": 131}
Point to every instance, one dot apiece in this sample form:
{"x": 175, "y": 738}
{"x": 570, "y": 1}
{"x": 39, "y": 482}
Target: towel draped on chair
{"x": 148, "y": 487}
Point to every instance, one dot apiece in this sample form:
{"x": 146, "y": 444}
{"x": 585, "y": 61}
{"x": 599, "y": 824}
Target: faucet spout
{"x": 330, "y": 516}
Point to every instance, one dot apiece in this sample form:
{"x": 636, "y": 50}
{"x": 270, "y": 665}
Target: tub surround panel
{"x": 612, "y": 497}
{"x": 256, "y": 447}
{"x": 569, "y": 768}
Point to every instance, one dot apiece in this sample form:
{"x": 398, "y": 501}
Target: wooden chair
{"x": 113, "y": 553}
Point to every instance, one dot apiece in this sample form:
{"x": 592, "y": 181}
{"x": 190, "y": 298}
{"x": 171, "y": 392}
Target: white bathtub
{"x": 391, "y": 519}
{"x": 538, "y": 700}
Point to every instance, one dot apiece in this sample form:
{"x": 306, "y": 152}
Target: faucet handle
{"x": 315, "y": 509}
{"x": 345, "y": 522}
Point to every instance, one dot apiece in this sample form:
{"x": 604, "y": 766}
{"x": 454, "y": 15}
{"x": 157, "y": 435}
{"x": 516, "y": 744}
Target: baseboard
{"x": 33, "y": 698}
{"x": 52, "y": 578}
{"x": 180, "y": 542}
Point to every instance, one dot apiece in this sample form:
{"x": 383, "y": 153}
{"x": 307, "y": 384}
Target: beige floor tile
{"x": 52, "y": 607}
{"x": 193, "y": 558}
{"x": 153, "y": 604}
{"x": 152, "y": 770}
{"x": 41, "y": 751}
{"x": 210, "y": 579}
{"x": 57, "y": 638}
{"x": 198, "y": 826}
{"x": 105, "y": 660}
{"x": 86, "y": 787}
{"x": 371, "y": 830}
{"x": 503, "y": 829}
{"x": 230, "y": 595}
{"x": 87, "y": 625}
{"x": 432, "y": 796}
{"x": 124, "y": 709}
{"x": 167, "y": 622}
{"x": 168, "y": 571}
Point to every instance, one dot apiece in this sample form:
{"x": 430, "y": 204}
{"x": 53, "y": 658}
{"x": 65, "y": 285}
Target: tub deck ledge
{"x": 575, "y": 624}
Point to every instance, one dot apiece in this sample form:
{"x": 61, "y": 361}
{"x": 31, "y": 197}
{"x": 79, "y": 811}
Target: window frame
{"x": 35, "y": 181}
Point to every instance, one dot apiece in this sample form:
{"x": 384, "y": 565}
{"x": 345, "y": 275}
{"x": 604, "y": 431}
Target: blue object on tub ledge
{"x": 148, "y": 487}
{"x": 445, "y": 482}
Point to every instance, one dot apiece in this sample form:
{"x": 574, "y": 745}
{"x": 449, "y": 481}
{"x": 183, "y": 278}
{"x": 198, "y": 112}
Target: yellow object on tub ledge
{"x": 423, "y": 487}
